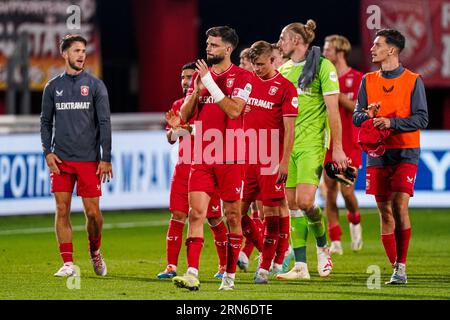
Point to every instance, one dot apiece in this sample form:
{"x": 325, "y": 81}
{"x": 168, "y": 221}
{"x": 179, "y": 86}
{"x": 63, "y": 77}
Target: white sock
{"x": 229, "y": 275}
{"x": 263, "y": 271}
{"x": 299, "y": 265}
{"x": 192, "y": 271}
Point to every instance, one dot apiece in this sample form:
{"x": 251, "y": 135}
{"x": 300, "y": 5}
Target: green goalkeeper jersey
{"x": 312, "y": 126}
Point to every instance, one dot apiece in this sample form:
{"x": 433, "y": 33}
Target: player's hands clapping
{"x": 173, "y": 120}
{"x": 202, "y": 67}
{"x": 104, "y": 171}
{"x": 52, "y": 160}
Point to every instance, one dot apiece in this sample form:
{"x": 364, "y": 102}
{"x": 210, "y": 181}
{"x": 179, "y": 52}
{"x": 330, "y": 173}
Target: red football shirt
{"x": 234, "y": 82}
{"x": 270, "y": 101}
{"x": 349, "y": 84}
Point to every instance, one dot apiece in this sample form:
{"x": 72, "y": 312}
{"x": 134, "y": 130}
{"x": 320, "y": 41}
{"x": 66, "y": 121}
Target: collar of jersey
{"x": 223, "y": 72}
{"x": 276, "y": 75}
{"x": 301, "y": 63}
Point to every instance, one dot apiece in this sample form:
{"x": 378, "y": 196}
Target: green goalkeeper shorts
{"x": 305, "y": 166}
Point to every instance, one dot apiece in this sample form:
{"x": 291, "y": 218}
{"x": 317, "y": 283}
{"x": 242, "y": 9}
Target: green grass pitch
{"x": 134, "y": 249}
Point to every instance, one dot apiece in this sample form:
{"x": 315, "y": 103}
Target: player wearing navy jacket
{"x": 76, "y": 104}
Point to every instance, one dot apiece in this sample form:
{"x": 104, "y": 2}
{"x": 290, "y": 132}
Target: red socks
{"x": 390, "y": 246}
{"x": 353, "y": 217}
{"x": 234, "y": 246}
{"x": 174, "y": 241}
{"x": 271, "y": 236}
{"x": 283, "y": 240}
{"x": 66, "y": 251}
{"x": 335, "y": 232}
{"x": 396, "y": 245}
{"x": 402, "y": 237}
{"x": 220, "y": 240}
{"x": 194, "y": 247}
{"x": 248, "y": 245}
{"x": 94, "y": 243}
{"x": 250, "y": 231}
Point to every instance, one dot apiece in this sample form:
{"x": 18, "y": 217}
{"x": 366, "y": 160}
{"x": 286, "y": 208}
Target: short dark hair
{"x": 226, "y": 33}
{"x": 189, "y": 65}
{"x": 393, "y": 37}
{"x": 67, "y": 41}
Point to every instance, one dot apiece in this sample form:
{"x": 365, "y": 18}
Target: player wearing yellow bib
{"x": 317, "y": 85}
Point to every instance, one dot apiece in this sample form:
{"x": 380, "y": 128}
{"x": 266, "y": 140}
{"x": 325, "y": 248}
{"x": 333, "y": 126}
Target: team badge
{"x": 273, "y": 90}
{"x": 230, "y": 82}
{"x": 84, "y": 90}
{"x": 348, "y": 82}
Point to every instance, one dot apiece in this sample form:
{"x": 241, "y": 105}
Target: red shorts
{"x": 226, "y": 179}
{"x": 258, "y": 186}
{"x": 383, "y": 180}
{"x": 179, "y": 193}
{"x": 354, "y": 154}
{"x": 83, "y": 173}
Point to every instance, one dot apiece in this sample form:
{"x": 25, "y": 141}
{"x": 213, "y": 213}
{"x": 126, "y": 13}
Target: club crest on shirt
{"x": 230, "y": 82}
{"x": 348, "y": 82}
{"x": 84, "y": 90}
{"x": 273, "y": 90}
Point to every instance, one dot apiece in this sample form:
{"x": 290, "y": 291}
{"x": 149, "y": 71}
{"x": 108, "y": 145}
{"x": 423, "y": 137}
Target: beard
{"x": 74, "y": 66}
{"x": 214, "y": 60}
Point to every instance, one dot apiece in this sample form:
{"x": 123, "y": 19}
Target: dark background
{"x": 119, "y": 37}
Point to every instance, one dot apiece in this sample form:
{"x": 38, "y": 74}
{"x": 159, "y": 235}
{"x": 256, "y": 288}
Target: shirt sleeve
{"x": 289, "y": 106}
{"x": 359, "y": 116}
{"x": 47, "y": 115}
{"x": 242, "y": 86}
{"x": 328, "y": 78}
{"x": 101, "y": 103}
{"x": 419, "y": 111}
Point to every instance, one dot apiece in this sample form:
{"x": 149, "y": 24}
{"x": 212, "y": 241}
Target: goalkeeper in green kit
{"x": 317, "y": 85}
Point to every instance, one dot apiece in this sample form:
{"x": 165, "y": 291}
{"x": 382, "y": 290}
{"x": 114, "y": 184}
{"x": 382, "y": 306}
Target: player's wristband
{"x": 212, "y": 87}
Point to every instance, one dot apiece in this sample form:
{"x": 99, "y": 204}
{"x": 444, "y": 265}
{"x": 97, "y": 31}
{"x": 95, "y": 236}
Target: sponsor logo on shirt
{"x": 72, "y": 105}
{"x": 205, "y": 99}
{"x": 306, "y": 91}
{"x": 84, "y": 90}
{"x": 260, "y": 103}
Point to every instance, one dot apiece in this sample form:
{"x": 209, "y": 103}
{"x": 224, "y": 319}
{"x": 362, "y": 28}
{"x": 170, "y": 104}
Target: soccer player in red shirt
{"x": 336, "y": 49}
{"x": 218, "y": 94}
{"x": 270, "y": 115}
{"x": 179, "y": 206}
